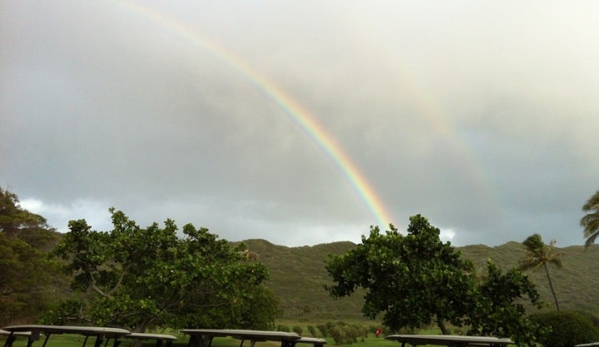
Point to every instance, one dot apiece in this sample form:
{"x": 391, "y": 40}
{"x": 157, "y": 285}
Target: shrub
{"x": 298, "y": 330}
{"x": 324, "y": 330}
{"x": 372, "y": 329}
{"x": 284, "y": 328}
{"x": 312, "y": 330}
{"x": 362, "y": 331}
{"x": 66, "y": 313}
{"x": 339, "y": 335}
{"x": 565, "y": 328}
{"x": 343, "y": 333}
{"x": 331, "y": 325}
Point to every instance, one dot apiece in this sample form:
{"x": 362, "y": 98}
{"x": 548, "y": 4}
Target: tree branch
{"x": 118, "y": 284}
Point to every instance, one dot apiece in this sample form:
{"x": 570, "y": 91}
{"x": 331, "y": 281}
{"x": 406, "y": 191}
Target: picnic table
{"x": 204, "y": 337}
{"x": 14, "y": 334}
{"x": 33, "y": 332}
{"x": 20, "y": 333}
{"x": 450, "y": 340}
{"x": 590, "y": 344}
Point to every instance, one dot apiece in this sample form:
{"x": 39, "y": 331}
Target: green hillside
{"x": 298, "y": 277}
{"x": 576, "y": 284}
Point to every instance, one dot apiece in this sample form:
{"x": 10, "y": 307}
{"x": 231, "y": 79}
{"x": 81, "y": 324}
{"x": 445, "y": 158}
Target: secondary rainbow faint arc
{"x": 301, "y": 116}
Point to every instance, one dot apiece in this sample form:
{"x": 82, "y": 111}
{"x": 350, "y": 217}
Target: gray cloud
{"x": 478, "y": 116}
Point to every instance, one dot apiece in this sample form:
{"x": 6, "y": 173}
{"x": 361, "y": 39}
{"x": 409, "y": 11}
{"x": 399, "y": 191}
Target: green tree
{"x": 590, "y": 222}
{"x": 28, "y": 281}
{"x": 144, "y": 277}
{"x": 413, "y": 280}
{"x": 29, "y": 227}
{"x": 539, "y": 255}
{"x": 499, "y": 310}
{"x": 260, "y": 307}
{"x": 416, "y": 279}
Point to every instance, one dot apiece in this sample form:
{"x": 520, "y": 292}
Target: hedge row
{"x": 340, "y": 332}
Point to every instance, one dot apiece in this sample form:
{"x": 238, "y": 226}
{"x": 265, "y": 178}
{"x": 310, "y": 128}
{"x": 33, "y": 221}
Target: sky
{"x": 304, "y": 122}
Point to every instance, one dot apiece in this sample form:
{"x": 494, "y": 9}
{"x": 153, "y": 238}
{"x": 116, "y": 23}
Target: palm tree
{"x": 590, "y": 222}
{"x": 537, "y": 254}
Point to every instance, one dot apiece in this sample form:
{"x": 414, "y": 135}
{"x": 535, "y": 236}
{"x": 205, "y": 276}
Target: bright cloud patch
{"x": 447, "y": 235}
{"x": 59, "y": 215}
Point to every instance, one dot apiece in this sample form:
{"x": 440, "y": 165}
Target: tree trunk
{"x": 140, "y": 329}
{"x": 551, "y": 287}
{"x": 441, "y": 325}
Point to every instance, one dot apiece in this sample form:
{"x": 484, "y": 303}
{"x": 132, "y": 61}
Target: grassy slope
{"x": 576, "y": 284}
{"x": 298, "y": 277}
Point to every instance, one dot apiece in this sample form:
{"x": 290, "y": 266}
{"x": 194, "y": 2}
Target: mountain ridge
{"x": 298, "y": 277}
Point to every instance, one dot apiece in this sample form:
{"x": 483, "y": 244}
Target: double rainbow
{"x": 292, "y": 108}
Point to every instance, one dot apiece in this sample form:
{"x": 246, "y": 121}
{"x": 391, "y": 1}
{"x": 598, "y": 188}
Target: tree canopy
{"x": 498, "y": 306}
{"x": 27, "y": 276}
{"x": 404, "y": 275}
{"x": 416, "y": 279}
{"x": 143, "y": 277}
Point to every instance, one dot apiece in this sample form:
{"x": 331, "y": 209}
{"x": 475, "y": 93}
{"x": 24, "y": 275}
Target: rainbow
{"x": 292, "y": 108}
{"x": 440, "y": 123}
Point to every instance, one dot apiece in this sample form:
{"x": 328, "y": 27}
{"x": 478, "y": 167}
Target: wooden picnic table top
{"x": 67, "y": 329}
{"x": 34, "y": 331}
{"x": 19, "y": 333}
{"x": 450, "y": 340}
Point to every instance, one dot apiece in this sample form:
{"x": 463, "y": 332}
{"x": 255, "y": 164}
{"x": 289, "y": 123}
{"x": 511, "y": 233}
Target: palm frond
{"x": 537, "y": 253}
{"x": 589, "y": 219}
{"x": 533, "y": 243}
{"x": 592, "y": 204}
{"x": 590, "y": 237}
{"x": 556, "y": 262}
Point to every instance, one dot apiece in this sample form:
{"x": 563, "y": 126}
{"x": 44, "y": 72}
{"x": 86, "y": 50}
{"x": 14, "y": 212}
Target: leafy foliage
{"x": 566, "y": 328}
{"x": 298, "y": 330}
{"x": 21, "y": 224}
{"x": 324, "y": 330}
{"x": 282, "y": 327}
{"x": 259, "y": 308}
{"x": 415, "y": 280}
{"x": 343, "y": 333}
{"x": 590, "y": 222}
{"x": 27, "y": 277}
{"x": 68, "y": 312}
{"x": 144, "y": 277}
{"x": 499, "y": 306}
